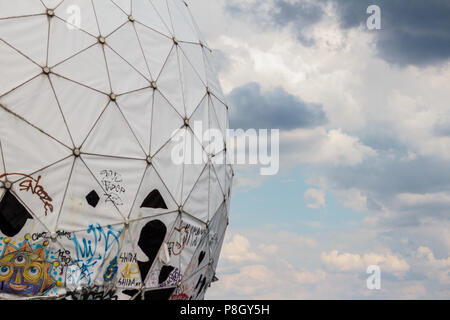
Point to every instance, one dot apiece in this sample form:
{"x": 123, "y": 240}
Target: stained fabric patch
{"x": 13, "y": 215}
{"x": 154, "y": 200}
{"x": 92, "y": 198}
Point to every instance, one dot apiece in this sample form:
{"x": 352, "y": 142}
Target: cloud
{"x": 254, "y": 108}
{"x": 384, "y": 145}
{"x": 332, "y": 274}
{"x": 345, "y": 262}
{"x": 427, "y": 199}
{"x": 434, "y": 268}
{"x": 353, "y": 199}
{"x": 238, "y": 250}
{"x": 310, "y": 277}
{"x": 318, "y": 146}
{"x": 315, "y": 198}
{"x": 425, "y": 254}
{"x": 249, "y": 281}
{"x": 296, "y": 15}
{"x": 414, "y": 32}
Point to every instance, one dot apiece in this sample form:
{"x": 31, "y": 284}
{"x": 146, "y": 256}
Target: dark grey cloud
{"x": 442, "y": 128}
{"x": 254, "y": 108}
{"x": 414, "y": 32}
{"x": 384, "y": 178}
{"x": 295, "y": 15}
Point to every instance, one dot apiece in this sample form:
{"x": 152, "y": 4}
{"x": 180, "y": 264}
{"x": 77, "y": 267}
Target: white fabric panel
{"x": 192, "y": 167}
{"x": 171, "y": 174}
{"x": 169, "y": 82}
{"x": 63, "y": 44}
{"x": 129, "y": 50}
{"x": 156, "y": 48}
{"x": 151, "y": 182}
{"x": 182, "y": 27}
{"x": 109, "y": 16}
{"x": 125, "y": 5}
{"x": 129, "y": 276}
{"x": 35, "y": 102}
{"x": 21, "y": 8}
{"x": 112, "y": 136}
{"x": 118, "y": 178}
{"x": 165, "y": 122}
{"x": 193, "y": 245}
{"x": 2, "y": 164}
{"x": 29, "y": 151}
{"x": 137, "y": 107}
{"x": 124, "y": 78}
{"x": 80, "y": 105}
{"x": 79, "y": 11}
{"x": 211, "y": 75}
{"x": 221, "y": 114}
{"x": 145, "y": 13}
{"x": 216, "y": 196}
{"x": 193, "y": 88}
{"x": 194, "y": 54}
{"x": 197, "y": 201}
{"x": 16, "y": 69}
{"x": 51, "y": 4}
{"x": 82, "y": 214}
{"x": 33, "y": 40}
{"x": 160, "y": 7}
{"x": 88, "y": 68}
{"x": 52, "y": 181}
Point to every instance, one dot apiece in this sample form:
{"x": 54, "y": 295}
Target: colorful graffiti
{"x": 32, "y": 185}
{"x": 91, "y": 252}
{"x": 24, "y": 271}
{"x": 129, "y": 275}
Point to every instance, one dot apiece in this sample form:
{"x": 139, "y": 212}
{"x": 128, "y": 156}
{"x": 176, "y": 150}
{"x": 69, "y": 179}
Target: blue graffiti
{"x": 91, "y": 254}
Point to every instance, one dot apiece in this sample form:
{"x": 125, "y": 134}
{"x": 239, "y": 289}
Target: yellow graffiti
{"x": 131, "y": 271}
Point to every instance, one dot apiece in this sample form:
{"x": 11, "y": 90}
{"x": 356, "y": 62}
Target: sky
{"x": 364, "y": 121}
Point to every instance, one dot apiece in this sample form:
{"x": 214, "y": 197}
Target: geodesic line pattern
{"x": 87, "y": 114}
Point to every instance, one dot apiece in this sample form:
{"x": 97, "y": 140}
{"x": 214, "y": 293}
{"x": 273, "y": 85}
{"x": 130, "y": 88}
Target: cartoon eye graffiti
{"x": 20, "y": 260}
{"x": 33, "y": 272}
{"x": 4, "y": 271}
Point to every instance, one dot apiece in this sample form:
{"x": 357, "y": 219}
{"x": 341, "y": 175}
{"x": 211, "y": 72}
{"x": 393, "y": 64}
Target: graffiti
{"x": 47, "y": 235}
{"x": 111, "y": 271}
{"x": 93, "y": 293}
{"x": 112, "y": 183}
{"x": 185, "y": 236}
{"x": 91, "y": 254}
{"x": 130, "y": 276}
{"x": 24, "y": 271}
{"x": 64, "y": 257}
{"x": 173, "y": 279}
{"x": 180, "y": 293}
{"x": 33, "y": 185}
{"x": 181, "y": 235}
{"x": 128, "y": 257}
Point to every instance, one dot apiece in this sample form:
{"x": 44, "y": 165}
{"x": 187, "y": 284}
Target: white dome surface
{"x": 91, "y": 204}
